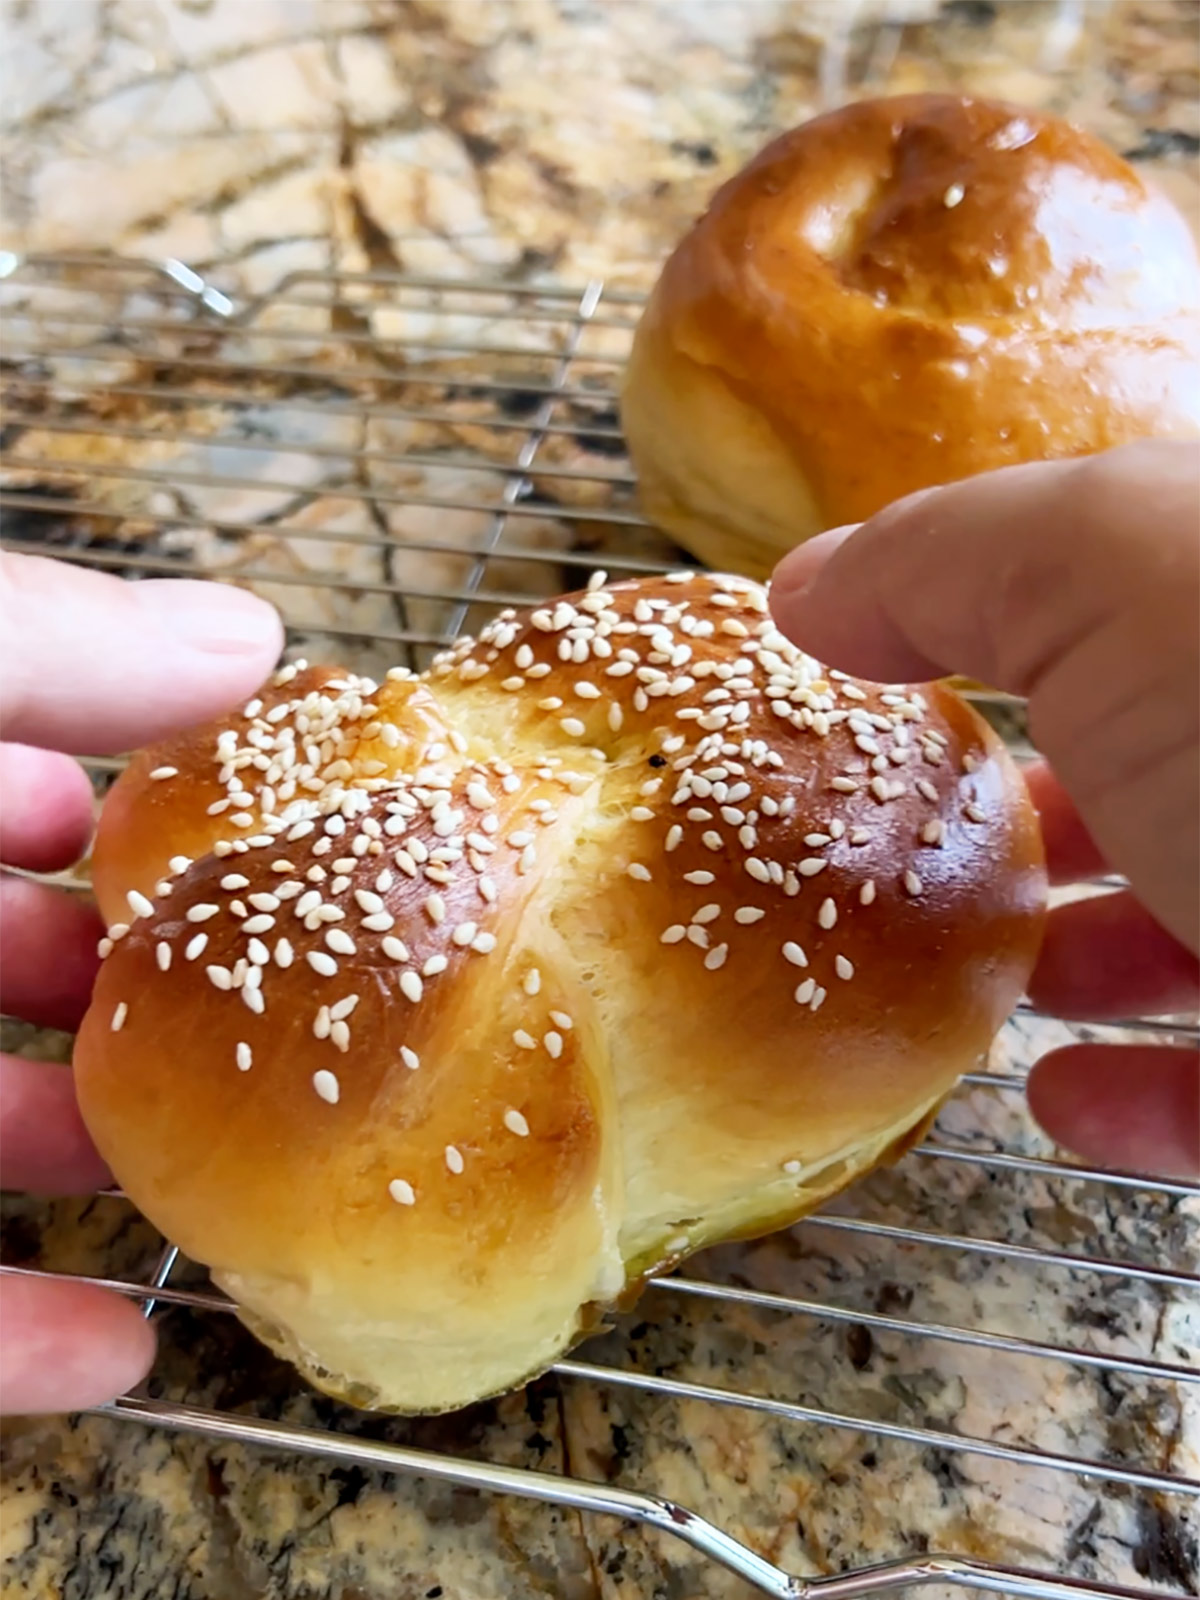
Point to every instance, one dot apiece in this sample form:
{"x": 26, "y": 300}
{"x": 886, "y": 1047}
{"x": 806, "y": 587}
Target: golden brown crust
{"x": 622, "y": 932}
{"x": 901, "y": 293}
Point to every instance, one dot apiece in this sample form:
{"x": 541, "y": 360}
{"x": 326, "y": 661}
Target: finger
{"x": 1071, "y": 853}
{"x": 67, "y": 1346}
{"x": 1076, "y": 583}
{"x": 46, "y": 809}
{"x": 1106, "y": 956}
{"x": 1130, "y": 1107}
{"x": 982, "y": 577}
{"x": 96, "y": 664}
{"x": 44, "y": 1146}
{"x": 48, "y": 959}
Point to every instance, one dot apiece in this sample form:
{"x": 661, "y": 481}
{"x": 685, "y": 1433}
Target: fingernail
{"x": 213, "y": 617}
{"x": 801, "y": 565}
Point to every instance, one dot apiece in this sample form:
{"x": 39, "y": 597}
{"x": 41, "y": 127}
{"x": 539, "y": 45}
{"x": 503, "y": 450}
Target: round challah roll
{"x": 894, "y": 295}
{"x": 438, "y": 1014}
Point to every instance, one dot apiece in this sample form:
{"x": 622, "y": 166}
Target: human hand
{"x": 1076, "y": 584}
{"x": 89, "y": 664}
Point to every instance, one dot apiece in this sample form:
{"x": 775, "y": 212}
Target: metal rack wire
{"x": 391, "y": 459}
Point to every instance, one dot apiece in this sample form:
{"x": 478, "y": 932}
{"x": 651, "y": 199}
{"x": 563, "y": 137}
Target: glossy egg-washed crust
{"x": 637, "y": 932}
{"x": 898, "y": 294}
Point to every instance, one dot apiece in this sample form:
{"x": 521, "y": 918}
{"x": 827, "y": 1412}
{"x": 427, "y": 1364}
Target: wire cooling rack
{"x": 390, "y": 459}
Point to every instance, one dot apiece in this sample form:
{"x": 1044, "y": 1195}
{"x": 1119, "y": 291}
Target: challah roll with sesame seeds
{"x": 437, "y": 1015}
{"x": 894, "y": 295}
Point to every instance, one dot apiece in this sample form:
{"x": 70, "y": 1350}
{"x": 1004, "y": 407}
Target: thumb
{"x": 98, "y": 664}
{"x": 1074, "y": 583}
{"x": 1001, "y": 576}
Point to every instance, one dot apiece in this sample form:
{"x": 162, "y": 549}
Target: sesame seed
{"x": 234, "y": 881}
{"x": 179, "y": 864}
{"x": 553, "y": 1044}
{"x": 827, "y": 915}
{"x": 697, "y": 935}
{"x": 394, "y": 949}
{"x": 516, "y": 1123}
{"x": 339, "y": 1036}
{"x": 673, "y": 934}
{"x": 933, "y": 832}
{"x": 411, "y": 986}
{"x": 463, "y": 934}
{"x": 912, "y": 882}
{"x": 258, "y": 924}
{"x": 322, "y": 1023}
{"x": 953, "y": 196}
{"x": 867, "y": 893}
{"x": 104, "y": 948}
{"x": 642, "y": 814}
{"x": 791, "y": 1168}
{"x": 402, "y": 1192}
{"x": 716, "y": 957}
{"x": 160, "y": 773}
{"x": 435, "y": 909}
{"x": 327, "y": 1086}
{"x": 974, "y": 813}
{"x": 635, "y": 869}
{"x": 811, "y": 865}
{"x": 200, "y": 912}
{"x": 258, "y": 952}
{"x": 410, "y": 1058}
{"x": 699, "y": 877}
{"x": 747, "y": 915}
{"x": 572, "y": 726}
{"x": 674, "y": 835}
{"x": 532, "y": 981}
{"x": 843, "y": 967}
{"x": 368, "y": 902}
{"x": 708, "y": 913}
{"x": 343, "y": 1008}
{"x": 264, "y": 902}
{"x": 926, "y": 789}
{"x": 195, "y": 947}
{"x": 139, "y": 904}
{"x": 758, "y": 869}
{"x": 162, "y": 954}
{"x": 325, "y": 965}
{"x": 339, "y": 942}
{"x": 454, "y": 1160}
{"x": 794, "y": 953}
{"x": 244, "y": 1057}
{"x": 252, "y": 999}
{"x": 118, "y": 1017}
{"x": 220, "y": 977}
{"x": 818, "y": 998}
{"x": 805, "y": 991}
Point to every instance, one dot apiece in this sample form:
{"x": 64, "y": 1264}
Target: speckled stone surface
{"x": 555, "y": 142}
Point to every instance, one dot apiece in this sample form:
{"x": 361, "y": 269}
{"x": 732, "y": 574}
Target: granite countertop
{"x": 538, "y": 142}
